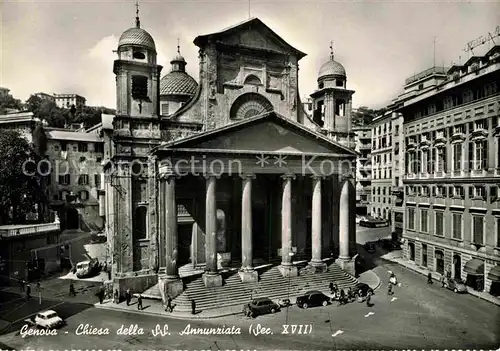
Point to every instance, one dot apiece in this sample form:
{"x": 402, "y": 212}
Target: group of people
{"x": 128, "y": 299}
{"x": 26, "y": 287}
{"x": 344, "y": 296}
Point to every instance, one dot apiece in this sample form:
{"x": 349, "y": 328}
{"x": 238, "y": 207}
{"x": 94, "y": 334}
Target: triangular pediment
{"x": 252, "y": 33}
{"x": 267, "y": 133}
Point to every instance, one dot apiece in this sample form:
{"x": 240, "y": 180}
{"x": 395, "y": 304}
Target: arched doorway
{"x": 411, "y": 251}
{"x": 72, "y": 219}
{"x": 439, "y": 257}
{"x": 457, "y": 266}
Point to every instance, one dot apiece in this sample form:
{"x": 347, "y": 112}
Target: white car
{"x": 48, "y": 320}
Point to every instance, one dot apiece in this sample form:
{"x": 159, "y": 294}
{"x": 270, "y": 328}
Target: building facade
{"x": 223, "y": 178}
{"x": 45, "y": 96}
{"x": 68, "y": 100}
{"x": 363, "y": 141}
{"x": 452, "y": 174}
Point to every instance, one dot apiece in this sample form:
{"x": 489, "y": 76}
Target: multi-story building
{"x": 381, "y": 161}
{"x": 23, "y": 122}
{"x": 398, "y": 157}
{"x": 76, "y": 177}
{"x": 363, "y": 141}
{"x": 4, "y": 92}
{"x": 452, "y": 174}
{"x": 68, "y": 100}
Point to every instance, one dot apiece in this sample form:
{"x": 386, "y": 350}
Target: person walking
{"x": 331, "y": 287}
{"x": 169, "y": 305}
{"x": 100, "y": 294}
{"x": 389, "y": 289}
{"x": 429, "y": 278}
{"x": 342, "y": 297}
{"x": 139, "y": 302}
{"x": 23, "y": 285}
{"x": 193, "y": 307}
{"x": 38, "y": 286}
{"x": 28, "y": 291}
{"x": 128, "y": 297}
{"x": 72, "y": 289}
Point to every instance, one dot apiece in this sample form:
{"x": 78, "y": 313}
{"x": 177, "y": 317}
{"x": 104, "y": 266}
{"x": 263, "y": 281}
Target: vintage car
{"x": 48, "y": 320}
{"x": 313, "y": 298}
{"x": 374, "y": 223}
{"x": 457, "y": 285}
{"x": 364, "y": 289}
{"x": 87, "y": 269}
{"x": 261, "y": 305}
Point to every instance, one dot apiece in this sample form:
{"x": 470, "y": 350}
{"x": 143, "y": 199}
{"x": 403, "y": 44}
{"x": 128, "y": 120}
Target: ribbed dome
{"x": 137, "y": 36}
{"x": 178, "y": 83}
{"x": 331, "y": 68}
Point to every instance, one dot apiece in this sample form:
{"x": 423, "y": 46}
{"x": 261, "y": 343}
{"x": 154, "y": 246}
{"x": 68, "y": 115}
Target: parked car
{"x": 374, "y": 223}
{"x": 87, "y": 269}
{"x": 261, "y": 305}
{"x": 312, "y": 298}
{"x": 457, "y": 285}
{"x": 48, "y": 320}
{"x": 364, "y": 289}
{"x": 369, "y": 247}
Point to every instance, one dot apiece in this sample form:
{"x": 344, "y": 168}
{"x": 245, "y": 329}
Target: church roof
{"x": 268, "y": 116}
{"x": 331, "y": 68}
{"x": 178, "y": 83}
{"x": 137, "y": 36}
{"x": 251, "y": 22}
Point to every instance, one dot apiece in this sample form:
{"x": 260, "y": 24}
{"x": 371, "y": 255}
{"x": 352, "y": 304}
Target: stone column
{"x": 247, "y": 273}
{"x": 287, "y": 268}
{"x": 316, "y": 262}
{"x": 170, "y": 283}
{"x": 344, "y": 260}
{"x": 211, "y": 276}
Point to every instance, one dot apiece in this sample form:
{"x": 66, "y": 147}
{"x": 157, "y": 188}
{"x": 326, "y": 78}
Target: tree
{"x": 21, "y": 186}
{"x": 48, "y": 111}
{"x": 363, "y": 115}
{"x": 8, "y": 102}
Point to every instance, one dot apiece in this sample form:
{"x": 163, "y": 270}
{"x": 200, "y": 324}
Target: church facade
{"x": 236, "y": 173}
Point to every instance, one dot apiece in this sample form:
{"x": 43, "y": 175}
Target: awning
{"x": 474, "y": 267}
{"x": 494, "y": 274}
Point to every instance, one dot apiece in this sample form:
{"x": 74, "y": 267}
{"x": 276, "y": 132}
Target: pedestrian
{"x": 331, "y": 287}
{"x": 169, "y": 305}
{"x": 342, "y": 297}
{"x": 38, "y": 287}
{"x": 23, "y": 285}
{"x": 442, "y": 280}
{"x": 72, "y": 289}
{"x": 100, "y": 295}
{"x": 193, "y": 307}
{"x": 429, "y": 278}
{"x": 28, "y": 291}
{"x": 389, "y": 289}
{"x": 116, "y": 298}
{"x": 139, "y": 302}
{"x": 368, "y": 299}
{"x": 128, "y": 297}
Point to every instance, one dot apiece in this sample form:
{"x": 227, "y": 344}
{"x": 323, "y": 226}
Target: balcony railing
{"x": 28, "y": 229}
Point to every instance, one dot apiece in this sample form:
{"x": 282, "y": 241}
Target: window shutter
{"x": 445, "y": 163}
{"x": 471, "y": 155}
{"x": 471, "y": 192}
{"x": 493, "y": 192}
{"x": 485, "y": 154}
{"x": 433, "y": 191}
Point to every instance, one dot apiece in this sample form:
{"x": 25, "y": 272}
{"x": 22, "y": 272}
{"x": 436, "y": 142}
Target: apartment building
{"x": 381, "y": 161}
{"x": 398, "y": 157}
{"x": 452, "y": 174}
{"x": 363, "y": 142}
{"x": 76, "y": 178}
{"x": 45, "y": 96}
{"x": 68, "y": 100}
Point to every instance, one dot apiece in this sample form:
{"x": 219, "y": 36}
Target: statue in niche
{"x": 221, "y": 231}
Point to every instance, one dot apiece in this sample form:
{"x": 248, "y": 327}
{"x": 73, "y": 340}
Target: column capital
{"x": 318, "y": 176}
{"x": 248, "y": 176}
{"x": 210, "y": 176}
{"x": 288, "y": 176}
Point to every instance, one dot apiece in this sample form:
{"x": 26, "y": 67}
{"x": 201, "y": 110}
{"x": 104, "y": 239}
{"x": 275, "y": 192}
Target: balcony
{"x": 457, "y": 201}
{"x": 17, "y": 230}
{"x": 479, "y": 133}
{"x": 364, "y": 178}
{"x": 397, "y": 190}
{"x": 365, "y": 168}
{"x": 458, "y": 136}
{"x": 440, "y": 139}
{"x": 424, "y": 142}
{"x": 365, "y": 146}
{"x": 439, "y": 200}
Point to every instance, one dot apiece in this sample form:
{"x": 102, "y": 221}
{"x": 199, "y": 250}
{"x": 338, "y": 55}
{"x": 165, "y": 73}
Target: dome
{"x": 137, "y": 36}
{"x": 178, "y": 83}
{"x": 331, "y": 68}
{"x": 178, "y": 58}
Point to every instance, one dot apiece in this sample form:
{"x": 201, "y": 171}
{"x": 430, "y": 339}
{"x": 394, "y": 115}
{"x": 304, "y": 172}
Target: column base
{"x": 212, "y": 280}
{"x": 288, "y": 270}
{"x": 318, "y": 266}
{"x": 170, "y": 287}
{"x": 347, "y": 264}
{"x": 249, "y": 276}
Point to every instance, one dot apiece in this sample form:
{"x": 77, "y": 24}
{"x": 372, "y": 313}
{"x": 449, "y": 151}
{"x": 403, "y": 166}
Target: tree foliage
{"x": 8, "y": 102}
{"x": 363, "y": 116}
{"x": 55, "y": 116}
{"x": 21, "y": 186}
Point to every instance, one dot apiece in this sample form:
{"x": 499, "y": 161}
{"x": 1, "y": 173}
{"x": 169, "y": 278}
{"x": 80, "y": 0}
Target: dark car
{"x": 312, "y": 298}
{"x": 261, "y": 305}
{"x": 369, "y": 247}
{"x": 374, "y": 223}
{"x": 364, "y": 289}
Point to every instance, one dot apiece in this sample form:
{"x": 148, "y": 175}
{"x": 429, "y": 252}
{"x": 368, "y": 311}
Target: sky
{"x": 67, "y": 46}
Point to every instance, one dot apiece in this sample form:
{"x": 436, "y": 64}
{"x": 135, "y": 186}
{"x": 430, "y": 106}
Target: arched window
{"x": 252, "y": 80}
{"x": 250, "y": 105}
{"x": 140, "y": 221}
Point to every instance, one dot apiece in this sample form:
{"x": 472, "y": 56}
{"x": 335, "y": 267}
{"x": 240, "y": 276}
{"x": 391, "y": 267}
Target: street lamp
{"x": 289, "y": 282}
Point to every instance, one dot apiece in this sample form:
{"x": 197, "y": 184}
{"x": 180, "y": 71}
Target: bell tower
{"x": 333, "y": 102}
